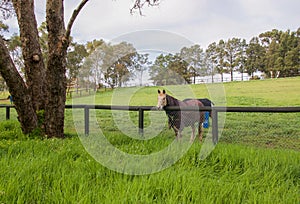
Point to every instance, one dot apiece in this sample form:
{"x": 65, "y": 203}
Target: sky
{"x": 198, "y": 21}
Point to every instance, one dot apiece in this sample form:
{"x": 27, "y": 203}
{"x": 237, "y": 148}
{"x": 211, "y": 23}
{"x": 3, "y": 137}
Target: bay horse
{"x": 178, "y": 120}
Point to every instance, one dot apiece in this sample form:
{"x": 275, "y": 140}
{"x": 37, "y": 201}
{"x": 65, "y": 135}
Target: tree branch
{"x": 18, "y": 90}
{"x": 139, "y": 4}
{"x": 6, "y": 9}
{"x": 73, "y": 17}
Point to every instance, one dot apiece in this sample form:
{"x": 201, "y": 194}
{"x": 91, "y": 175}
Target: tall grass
{"x": 60, "y": 171}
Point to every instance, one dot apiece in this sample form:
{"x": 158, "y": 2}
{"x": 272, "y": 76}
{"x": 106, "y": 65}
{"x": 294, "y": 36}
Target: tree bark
{"x": 56, "y": 69}
{"x": 33, "y": 60}
{"x": 19, "y": 91}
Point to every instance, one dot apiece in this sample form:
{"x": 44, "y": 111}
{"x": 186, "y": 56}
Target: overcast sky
{"x": 199, "y": 21}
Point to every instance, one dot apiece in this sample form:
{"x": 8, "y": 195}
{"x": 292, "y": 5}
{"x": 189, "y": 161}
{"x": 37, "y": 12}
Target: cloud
{"x": 200, "y": 21}
{"x": 155, "y": 41}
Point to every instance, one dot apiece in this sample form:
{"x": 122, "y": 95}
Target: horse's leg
{"x": 193, "y": 134}
{"x": 169, "y": 122}
{"x": 177, "y": 133}
{"x": 200, "y": 131}
{"x": 177, "y": 129}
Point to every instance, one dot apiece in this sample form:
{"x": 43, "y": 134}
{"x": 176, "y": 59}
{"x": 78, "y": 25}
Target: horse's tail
{"x": 206, "y": 102}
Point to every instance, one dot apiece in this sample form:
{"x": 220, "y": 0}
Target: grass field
{"x": 256, "y": 161}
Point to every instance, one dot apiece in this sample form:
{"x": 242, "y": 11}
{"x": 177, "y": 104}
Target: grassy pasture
{"x": 61, "y": 171}
{"x": 256, "y": 161}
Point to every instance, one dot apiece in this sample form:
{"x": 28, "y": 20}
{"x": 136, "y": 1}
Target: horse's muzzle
{"x": 160, "y": 108}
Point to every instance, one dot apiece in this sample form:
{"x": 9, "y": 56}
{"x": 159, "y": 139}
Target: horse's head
{"x": 161, "y": 99}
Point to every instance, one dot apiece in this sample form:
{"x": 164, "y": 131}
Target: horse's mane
{"x": 171, "y": 101}
{"x": 173, "y": 115}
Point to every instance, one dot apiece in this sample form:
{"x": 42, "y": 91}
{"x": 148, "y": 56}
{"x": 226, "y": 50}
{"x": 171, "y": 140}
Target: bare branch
{"x": 139, "y": 4}
{"x": 6, "y": 9}
{"x": 73, "y": 17}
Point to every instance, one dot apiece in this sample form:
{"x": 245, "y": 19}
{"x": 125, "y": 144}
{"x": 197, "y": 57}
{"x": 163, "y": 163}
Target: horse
{"x": 205, "y": 101}
{"x": 178, "y": 120}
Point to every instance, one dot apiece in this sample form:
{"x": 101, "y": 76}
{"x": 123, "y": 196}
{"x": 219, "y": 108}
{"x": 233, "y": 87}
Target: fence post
{"x": 215, "y": 131}
{"x": 86, "y": 120}
{"x": 141, "y": 121}
{"x": 7, "y": 112}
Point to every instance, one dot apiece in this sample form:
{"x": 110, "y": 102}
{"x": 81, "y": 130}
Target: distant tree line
{"x": 275, "y": 53}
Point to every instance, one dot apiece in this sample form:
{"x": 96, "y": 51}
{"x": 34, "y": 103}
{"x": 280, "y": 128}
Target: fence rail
{"x": 80, "y": 92}
{"x": 214, "y": 110}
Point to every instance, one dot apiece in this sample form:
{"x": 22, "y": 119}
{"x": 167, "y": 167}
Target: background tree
{"x": 255, "y": 55}
{"x": 15, "y": 49}
{"x": 76, "y": 55}
{"x": 211, "y": 59}
{"x": 43, "y": 39}
{"x": 221, "y": 54}
{"x": 109, "y": 64}
{"x": 91, "y": 73}
{"x": 194, "y": 56}
{"x": 291, "y": 54}
{"x": 242, "y": 57}
{"x": 170, "y": 70}
{"x": 93, "y": 45}
{"x": 119, "y": 64}
{"x": 282, "y": 53}
{"x": 232, "y": 53}
{"x": 159, "y": 70}
{"x": 180, "y": 72}
{"x": 141, "y": 63}
{"x": 270, "y": 40}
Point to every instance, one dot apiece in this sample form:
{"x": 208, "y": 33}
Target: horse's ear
{"x": 158, "y": 91}
{"x": 164, "y": 92}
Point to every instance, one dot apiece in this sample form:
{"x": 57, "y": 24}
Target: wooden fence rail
{"x": 214, "y": 110}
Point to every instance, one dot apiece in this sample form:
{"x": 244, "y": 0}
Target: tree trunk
{"x": 56, "y": 70}
{"x": 19, "y": 91}
{"x": 31, "y": 50}
{"x": 56, "y": 97}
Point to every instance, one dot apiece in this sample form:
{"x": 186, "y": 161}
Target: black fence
{"x": 142, "y": 109}
{"x": 80, "y": 92}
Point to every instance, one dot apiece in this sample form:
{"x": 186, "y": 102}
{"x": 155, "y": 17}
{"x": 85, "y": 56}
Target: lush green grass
{"x": 271, "y": 92}
{"x": 256, "y": 161}
{"x": 61, "y": 171}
